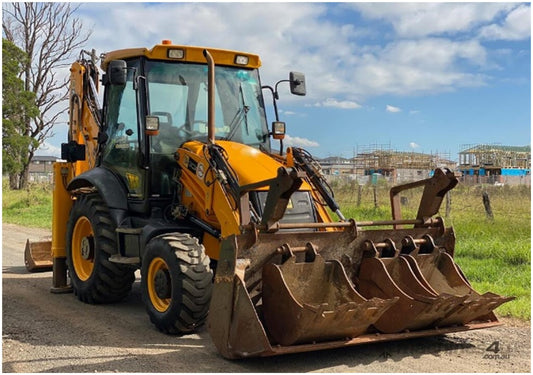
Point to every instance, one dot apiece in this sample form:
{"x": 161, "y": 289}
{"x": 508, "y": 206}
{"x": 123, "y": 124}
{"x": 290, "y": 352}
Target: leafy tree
{"x": 18, "y": 106}
{"x": 49, "y": 34}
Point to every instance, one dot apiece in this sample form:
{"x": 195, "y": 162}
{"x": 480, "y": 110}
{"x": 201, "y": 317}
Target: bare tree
{"x": 50, "y": 34}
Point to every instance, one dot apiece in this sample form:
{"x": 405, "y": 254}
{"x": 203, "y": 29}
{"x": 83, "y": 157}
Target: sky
{"x": 423, "y": 77}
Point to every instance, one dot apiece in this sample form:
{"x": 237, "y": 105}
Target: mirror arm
{"x": 276, "y": 87}
{"x": 274, "y": 98}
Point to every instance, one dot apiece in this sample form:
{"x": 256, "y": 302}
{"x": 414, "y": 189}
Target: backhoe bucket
{"x": 441, "y": 274}
{"x": 314, "y": 301}
{"x": 38, "y": 256}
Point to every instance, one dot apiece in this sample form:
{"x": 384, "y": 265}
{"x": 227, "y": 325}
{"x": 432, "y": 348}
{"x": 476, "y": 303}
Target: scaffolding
{"x": 382, "y": 158}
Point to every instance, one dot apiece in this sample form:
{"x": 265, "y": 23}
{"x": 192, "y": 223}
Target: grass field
{"x": 494, "y": 254}
{"x": 31, "y": 207}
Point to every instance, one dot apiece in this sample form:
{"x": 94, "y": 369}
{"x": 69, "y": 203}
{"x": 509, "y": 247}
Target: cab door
{"x": 122, "y": 149}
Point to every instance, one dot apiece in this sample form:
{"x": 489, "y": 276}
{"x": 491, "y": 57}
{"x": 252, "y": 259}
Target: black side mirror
{"x": 117, "y": 72}
{"x": 297, "y": 82}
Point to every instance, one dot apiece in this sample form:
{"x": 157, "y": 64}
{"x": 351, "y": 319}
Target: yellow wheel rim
{"x": 156, "y": 268}
{"x": 83, "y": 248}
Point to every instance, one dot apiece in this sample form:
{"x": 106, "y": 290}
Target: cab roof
{"x": 188, "y": 54}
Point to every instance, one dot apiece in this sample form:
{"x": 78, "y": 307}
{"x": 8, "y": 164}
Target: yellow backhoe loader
{"x": 174, "y": 174}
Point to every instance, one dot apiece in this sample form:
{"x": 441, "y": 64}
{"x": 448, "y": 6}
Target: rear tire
{"x": 90, "y": 242}
{"x": 176, "y": 283}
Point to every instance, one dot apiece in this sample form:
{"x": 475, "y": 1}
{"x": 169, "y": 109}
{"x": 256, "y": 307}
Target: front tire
{"x": 90, "y": 243}
{"x": 176, "y": 283}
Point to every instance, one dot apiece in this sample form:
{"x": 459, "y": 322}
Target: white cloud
{"x": 336, "y": 66}
{"x": 414, "y": 145}
{"x": 407, "y": 67}
{"x": 393, "y": 109}
{"x": 292, "y": 42}
{"x": 342, "y": 104}
{"x": 299, "y": 142}
{"x": 287, "y": 113}
{"x": 516, "y": 26}
{"x": 340, "y": 71}
{"x": 425, "y": 19}
{"x": 414, "y": 112}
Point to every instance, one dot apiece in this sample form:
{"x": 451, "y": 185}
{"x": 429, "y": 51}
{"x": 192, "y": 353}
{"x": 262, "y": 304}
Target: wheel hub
{"x": 87, "y": 248}
{"x": 162, "y": 284}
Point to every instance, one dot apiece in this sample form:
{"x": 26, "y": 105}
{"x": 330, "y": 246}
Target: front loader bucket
{"x": 314, "y": 301}
{"x": 272, "y": 295}
{"x": 38, "y": 256}
{"x": 438, "y": 271}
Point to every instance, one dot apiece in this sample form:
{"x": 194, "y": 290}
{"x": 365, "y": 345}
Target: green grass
{"x": 495, "y": 255}
{"x": 31, "y": 207}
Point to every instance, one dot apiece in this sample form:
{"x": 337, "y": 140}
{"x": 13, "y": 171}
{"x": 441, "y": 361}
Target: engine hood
{"x": 250, "y": 164}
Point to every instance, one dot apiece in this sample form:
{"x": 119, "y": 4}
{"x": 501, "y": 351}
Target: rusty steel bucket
{"x": 270, "y": 299}
{"x": 437, "y": 270}
{"x": 38, "y": 256}
{"x": 314, "y": 301}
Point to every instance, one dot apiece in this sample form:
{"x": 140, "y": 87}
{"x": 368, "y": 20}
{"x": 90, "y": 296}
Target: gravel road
{"x": 44, "y": 332}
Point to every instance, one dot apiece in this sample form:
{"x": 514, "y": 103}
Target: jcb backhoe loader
{"x": 175, "y": 175}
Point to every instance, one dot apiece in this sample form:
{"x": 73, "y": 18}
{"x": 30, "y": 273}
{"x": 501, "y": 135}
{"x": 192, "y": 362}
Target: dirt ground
{"x": 44, "y": 332}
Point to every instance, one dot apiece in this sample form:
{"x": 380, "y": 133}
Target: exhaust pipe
{"x": 210, "y": 97}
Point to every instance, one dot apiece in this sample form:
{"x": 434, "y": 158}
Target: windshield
{"x": 177, "y": 94}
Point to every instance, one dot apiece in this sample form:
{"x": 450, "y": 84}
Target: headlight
{"x": 175, "y": 53}
{"x": 241, "y": 60}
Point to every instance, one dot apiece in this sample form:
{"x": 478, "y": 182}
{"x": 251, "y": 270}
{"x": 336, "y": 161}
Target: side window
{"x": 169, "y": 103}
{"x": 122, "y": 148}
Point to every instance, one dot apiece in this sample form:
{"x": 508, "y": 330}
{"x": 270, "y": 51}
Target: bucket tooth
{"x": 444, "y": 276}
{"x": 314, "y": 301}
{"x": 417, "y": 307}
{"x": 474, "y": 307}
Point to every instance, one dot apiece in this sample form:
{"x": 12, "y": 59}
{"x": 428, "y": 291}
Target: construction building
{"x": 400, "y": 166}
{"x": 383, "y": 161}
{"x": 496, "y": 164}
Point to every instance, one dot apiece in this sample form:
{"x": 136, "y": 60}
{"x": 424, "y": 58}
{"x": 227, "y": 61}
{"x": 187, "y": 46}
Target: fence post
{"x": 359, "y": 193}
{"x": 486, "y": 203}
{"x": 375, "y": 196}
{"x": 448, "y": 204}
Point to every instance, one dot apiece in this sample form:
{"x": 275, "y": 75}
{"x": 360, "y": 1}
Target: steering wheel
{"x": 192, "y": 133}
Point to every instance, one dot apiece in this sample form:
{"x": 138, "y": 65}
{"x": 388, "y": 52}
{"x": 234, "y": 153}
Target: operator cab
{"x": 161, "y": 104}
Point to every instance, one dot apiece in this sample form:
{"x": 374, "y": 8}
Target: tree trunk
{"x": 14, "y": 181}
{"x": 25, "y": 173}
{"x": 24, "y": 177}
